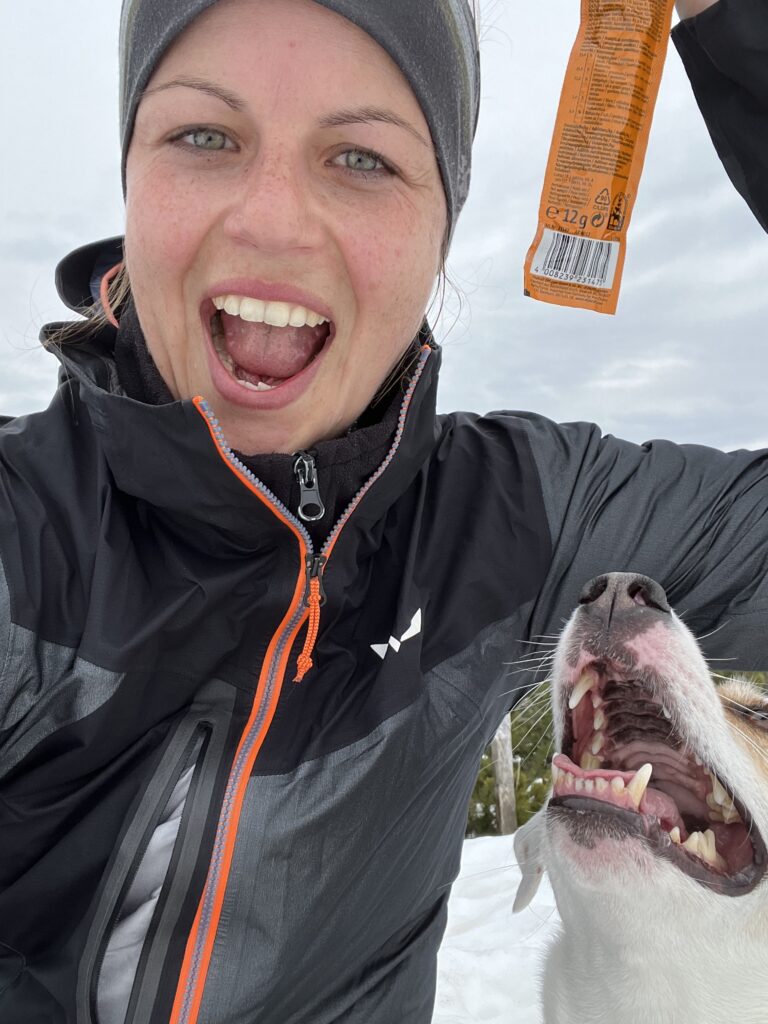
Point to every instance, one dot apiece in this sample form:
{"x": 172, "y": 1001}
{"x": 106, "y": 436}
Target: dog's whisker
{"x": 712, "y": 631}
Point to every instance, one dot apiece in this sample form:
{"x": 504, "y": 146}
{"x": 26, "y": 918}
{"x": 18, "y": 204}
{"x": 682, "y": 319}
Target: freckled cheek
{"x": 383, "y": 262}
{"x": 167, "y": 223}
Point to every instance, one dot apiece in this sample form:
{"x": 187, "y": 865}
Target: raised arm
{"x": 724, "y": 47}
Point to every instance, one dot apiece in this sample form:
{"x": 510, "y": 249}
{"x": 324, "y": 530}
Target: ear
{"x": 529, "y": 851}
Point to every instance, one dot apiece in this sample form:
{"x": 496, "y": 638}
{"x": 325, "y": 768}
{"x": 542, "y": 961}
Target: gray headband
{"x": 433, "y": 42}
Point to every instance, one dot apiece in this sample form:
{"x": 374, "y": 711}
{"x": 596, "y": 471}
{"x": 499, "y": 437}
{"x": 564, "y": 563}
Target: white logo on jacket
{"x": 413, "y": 630}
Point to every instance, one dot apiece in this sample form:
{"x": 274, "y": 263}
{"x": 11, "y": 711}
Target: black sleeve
{"x": 725, "y": 53}
{"x": 693, "y": 518}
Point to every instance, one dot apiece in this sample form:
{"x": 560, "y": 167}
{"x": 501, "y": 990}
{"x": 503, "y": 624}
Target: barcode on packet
{"x": 575, "y": 259}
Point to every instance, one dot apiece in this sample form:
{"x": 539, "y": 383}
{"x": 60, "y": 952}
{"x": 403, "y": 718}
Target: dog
{"x": 654, "y": 834}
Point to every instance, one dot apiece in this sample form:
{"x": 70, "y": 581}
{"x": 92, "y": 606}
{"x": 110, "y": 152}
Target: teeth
{"x": 702, "y": 844}
{"x": 599, "y": 720}
{"x": 589, "y": 786}
{"x": 639, "y": 783}
{"x": 617, "y": 784}
{"x": 261, "y": 386}
{"x": 597, "y": 742}
{"x": 582, "y": 686}
{"x": 589, "y": 761}
{"x": 720, "y": 803}
{"x": 601, "y": 785}
{"x": 278, "y": 314}
{"x": 555, "y": 774}
{"x": 674, "y": 835}
{"x": 665, "y": 712}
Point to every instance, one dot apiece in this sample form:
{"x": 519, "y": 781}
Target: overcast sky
{"x": 683, "y": 358}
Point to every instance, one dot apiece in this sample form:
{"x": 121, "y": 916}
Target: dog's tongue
{"x": 270, "y": 352}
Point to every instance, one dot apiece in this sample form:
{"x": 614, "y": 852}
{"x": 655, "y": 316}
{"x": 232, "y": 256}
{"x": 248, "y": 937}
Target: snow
{"x": 490, "y": 960}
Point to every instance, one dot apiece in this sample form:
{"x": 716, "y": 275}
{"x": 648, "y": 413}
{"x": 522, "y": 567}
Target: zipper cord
{"x": 314, "y": 599}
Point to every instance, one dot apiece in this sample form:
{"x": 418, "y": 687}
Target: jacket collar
{"x": 167, "y": 455}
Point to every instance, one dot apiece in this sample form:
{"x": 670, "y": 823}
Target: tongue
{"x": 271, "y": 352}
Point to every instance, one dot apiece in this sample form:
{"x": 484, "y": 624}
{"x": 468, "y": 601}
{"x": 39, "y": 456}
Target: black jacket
{"x": 271, "y": 852}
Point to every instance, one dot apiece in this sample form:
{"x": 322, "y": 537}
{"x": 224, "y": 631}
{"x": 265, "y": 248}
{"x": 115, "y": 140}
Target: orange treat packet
{"x": 597, "y": 153}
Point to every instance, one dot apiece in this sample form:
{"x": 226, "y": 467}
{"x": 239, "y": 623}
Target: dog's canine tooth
{"x": 585, "y": 683}
{"x": 719, "y": 792}
{"x": 639, "y": 783}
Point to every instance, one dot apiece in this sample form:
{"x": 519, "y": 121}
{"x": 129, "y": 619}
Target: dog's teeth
{"x": 719, "y": 793}
{"x": 555, "y": 774}
{"x": 720, "y": 802}
{"x": 599, "y": 721}
{"x": 674, "y": 835}
{"x": 597, "y": 742}
{"x": 639, "y": 783}
{"x": 584, "y": 684}
{"x": 589, "y": 761}
{"x": 702, "y": 845}
{"x": 597, "y": 700}
{"x": 617, "y": 784}
{"x": 692, "y": 843}
{"x": 579, "y": 785}
{"x": 665, "y": 712}
{"x": 601, "y": 784}
{"x": 589, "y": 786}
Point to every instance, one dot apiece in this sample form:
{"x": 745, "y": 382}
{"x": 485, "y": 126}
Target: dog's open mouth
{"x": 624, "y": 770}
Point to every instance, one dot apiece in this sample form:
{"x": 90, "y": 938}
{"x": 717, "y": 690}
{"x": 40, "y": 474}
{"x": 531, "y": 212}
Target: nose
{"x": 273, "y": 208}
{"x": 617, "y": 592}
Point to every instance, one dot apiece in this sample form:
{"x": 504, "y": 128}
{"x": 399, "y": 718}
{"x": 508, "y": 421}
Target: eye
{"x": 755, "y": 715}
{"x": 365, "y": 162}
{"x": 210, "y": 140}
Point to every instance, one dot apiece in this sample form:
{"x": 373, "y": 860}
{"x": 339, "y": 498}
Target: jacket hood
{"x": 168, "y": 456}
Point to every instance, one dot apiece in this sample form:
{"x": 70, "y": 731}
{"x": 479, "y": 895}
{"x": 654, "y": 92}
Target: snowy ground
{"x": 490, "y": 960}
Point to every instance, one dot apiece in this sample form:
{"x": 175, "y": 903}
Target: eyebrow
{"x": 364, "y": 115}
{"x": 201, "y": 85}
{"x": 357, "y": 115}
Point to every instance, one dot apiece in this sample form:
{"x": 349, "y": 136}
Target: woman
{"x": 257, "y": 601}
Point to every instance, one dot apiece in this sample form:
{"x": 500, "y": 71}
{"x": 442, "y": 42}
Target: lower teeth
{"x": 226, "y": 358}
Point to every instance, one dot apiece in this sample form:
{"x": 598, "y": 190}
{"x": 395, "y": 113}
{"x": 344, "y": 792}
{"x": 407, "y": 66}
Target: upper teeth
{"x": 277, "y": 314}
{"x": 585, "y": 683}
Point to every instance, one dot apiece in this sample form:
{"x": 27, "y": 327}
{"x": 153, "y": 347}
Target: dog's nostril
{"x": 645, "y": 591}
{"x": 593, "y": 589}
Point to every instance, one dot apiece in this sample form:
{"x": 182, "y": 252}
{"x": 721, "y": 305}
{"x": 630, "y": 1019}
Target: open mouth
{"x": 624, "y": 770}
{"x": 264, "y": 345}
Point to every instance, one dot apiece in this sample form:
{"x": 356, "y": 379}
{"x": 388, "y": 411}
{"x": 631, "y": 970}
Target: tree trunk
{"x": 504, "y": 769}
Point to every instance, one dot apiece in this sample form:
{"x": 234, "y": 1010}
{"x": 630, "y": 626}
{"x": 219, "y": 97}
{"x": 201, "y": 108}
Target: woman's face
{"x": 252, "y": 175}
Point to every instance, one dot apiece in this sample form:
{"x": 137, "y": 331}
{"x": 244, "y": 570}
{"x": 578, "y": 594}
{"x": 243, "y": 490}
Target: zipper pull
{"x": 314, "y": 598}
{"x": 311, "y": 507}
{"x": 315, "y": 566}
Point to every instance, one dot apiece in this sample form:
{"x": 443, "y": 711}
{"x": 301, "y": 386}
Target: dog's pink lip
{"x": 274, "y": 291}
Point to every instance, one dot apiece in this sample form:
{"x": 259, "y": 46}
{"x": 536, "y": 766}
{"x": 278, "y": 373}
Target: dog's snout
{"x": 622, "y": 591}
